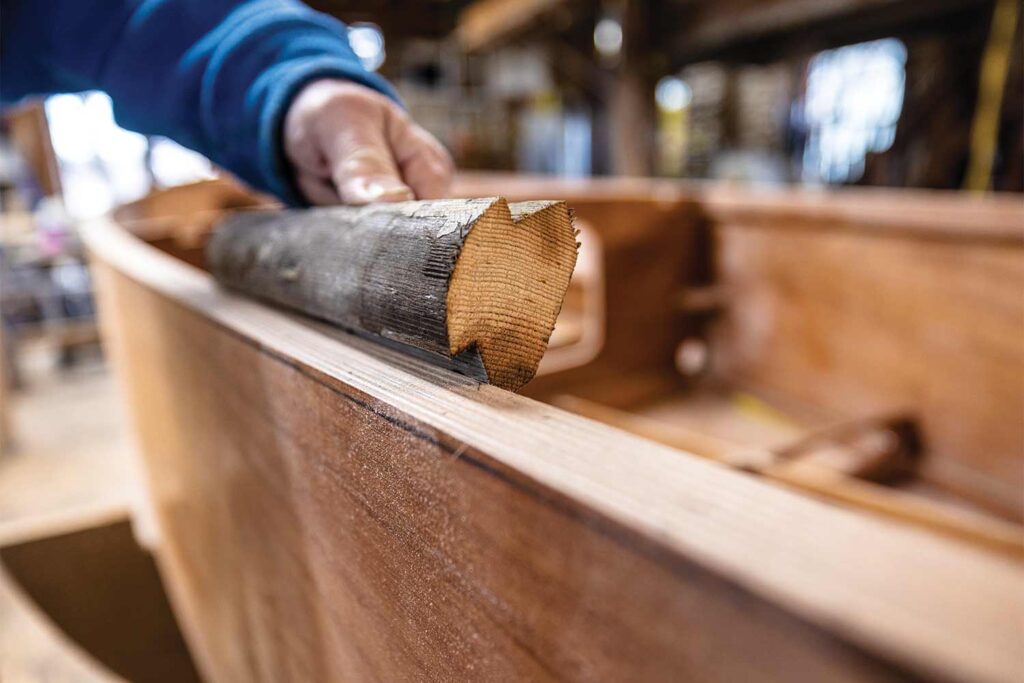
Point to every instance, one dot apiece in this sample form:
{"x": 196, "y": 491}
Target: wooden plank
{"x": 850, "y": 302}
{"x": 813, "y": 476}
{"x": 334, "y": 510}
{"x": 468, "y": 283}
{"x": 921, "y": 214}
{"x": 88, "y": 575}
{"x": 774, "y": 28}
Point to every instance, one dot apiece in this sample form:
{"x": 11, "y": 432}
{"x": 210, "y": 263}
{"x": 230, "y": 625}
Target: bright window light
{"x": 608, "y": 38}
{"x": 173, "y": 164}
{"x": 672, "y": 94}
{"x": 853, "y": 102}
{"x": 367, "y": 42}
{"x": 70, "y": 132}
{"x": 103, "y": 165}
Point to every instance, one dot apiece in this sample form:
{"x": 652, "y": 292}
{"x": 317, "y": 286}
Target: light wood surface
{"x": 864, "y": 323}
{"x": 333, "y": 510}
{"x": 811, "y": 475}
{"x": 842, "y": 304}
{"x": 644, "y": 249}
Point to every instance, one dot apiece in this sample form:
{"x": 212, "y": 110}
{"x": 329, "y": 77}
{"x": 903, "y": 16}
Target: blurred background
{"x": 893, "y": 93}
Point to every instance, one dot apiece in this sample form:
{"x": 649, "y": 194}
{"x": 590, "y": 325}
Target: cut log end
{"x": 507, "y": 287}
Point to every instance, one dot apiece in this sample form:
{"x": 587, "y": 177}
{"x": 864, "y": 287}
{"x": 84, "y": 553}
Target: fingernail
{"x": 367, "y": 190}
{"x": 388, "y": 191}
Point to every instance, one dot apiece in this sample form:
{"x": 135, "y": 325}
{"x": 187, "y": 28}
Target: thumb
{"x": 362, "y": 165}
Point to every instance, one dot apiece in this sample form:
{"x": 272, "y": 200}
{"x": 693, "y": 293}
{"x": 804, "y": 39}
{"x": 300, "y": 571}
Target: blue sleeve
{"x": 214, "y": 75}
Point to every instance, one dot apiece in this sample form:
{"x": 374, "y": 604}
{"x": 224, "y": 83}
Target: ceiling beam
{"x": 726, "y": 28}
{"x": 486, "y": 22}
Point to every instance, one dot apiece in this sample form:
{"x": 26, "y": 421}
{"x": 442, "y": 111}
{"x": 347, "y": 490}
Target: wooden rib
{"x": 988, "y": 532}
{"x": 486, "y": 22}
{"x": 507, "y": 288}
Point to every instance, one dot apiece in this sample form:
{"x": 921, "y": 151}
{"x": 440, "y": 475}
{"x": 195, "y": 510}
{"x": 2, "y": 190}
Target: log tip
{"x": 508, "y": 285}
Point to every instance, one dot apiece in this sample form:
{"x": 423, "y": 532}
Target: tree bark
{"x": 470, "y": 284}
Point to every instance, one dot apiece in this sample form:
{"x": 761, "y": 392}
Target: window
{"x": 103, "y": 165}
{"x": 852, "y": 103}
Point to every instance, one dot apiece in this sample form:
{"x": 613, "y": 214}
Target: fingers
{"x": 425, "y": 164}
{"x": 352, "y": 145}
{"x": 365, "y": 172}
{"x": 362, "y": 166}
{"x": 317, "y": 189}
{"x": 301, "y": 144}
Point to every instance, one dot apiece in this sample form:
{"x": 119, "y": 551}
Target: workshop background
{"x": 879, "y": 93}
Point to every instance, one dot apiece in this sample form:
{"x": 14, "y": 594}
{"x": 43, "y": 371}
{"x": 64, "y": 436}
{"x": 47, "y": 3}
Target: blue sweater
{"x": 214, "y": 75}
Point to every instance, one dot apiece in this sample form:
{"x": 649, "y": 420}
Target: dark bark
{"x": 381, "y": 271}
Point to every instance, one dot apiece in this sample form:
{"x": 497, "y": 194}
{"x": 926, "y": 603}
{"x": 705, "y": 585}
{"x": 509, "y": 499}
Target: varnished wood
{"x": 334, "y": 510}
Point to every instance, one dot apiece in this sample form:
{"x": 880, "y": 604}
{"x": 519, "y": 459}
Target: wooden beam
{"x": 334, "y": 510}
{"x": 764, "y": 28}
{"x": 487, "y": 22}
{"x": 471, "y": 283}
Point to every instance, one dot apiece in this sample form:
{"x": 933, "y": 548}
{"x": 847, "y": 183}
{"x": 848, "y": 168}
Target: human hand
{"x": 351, "y": 145}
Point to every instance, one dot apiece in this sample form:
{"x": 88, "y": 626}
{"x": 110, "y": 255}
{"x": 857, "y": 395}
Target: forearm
{"x": 214, "y": 75}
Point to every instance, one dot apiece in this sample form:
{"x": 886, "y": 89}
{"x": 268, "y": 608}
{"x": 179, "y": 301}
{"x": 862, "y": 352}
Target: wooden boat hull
{"x": 329, "y": 510}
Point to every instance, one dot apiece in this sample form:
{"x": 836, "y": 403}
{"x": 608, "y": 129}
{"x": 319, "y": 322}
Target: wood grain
{"x": 464, "y": 282}
{"x": 645, "y": 250}
{"x": 839, "y": 305}
{"x": 332, "y": 510}
{"x": 811, "y": 475}
{"x": 864, "y": 323}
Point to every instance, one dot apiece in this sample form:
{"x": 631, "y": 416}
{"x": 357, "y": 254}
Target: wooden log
{"x": 470, "y": 284}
